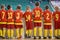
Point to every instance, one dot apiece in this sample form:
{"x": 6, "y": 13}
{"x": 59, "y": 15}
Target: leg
{"x": 8, "y": 33}
{"x": 12, "y": 30}
{"x": 40, "y": 32}
{"x": 4, "y": 30}
{"x": 17, "y": 33}
{"x": 35, "y": 31}
{"x": 30, "y": 29}
{"x": 45, "y": 31}
{"x": 56, "y": 29}
{"x": 21, "y": 32}
{"x": 58, "y": 33}
{"x": 27, "y": 29}
{"x": 1, "y": 31}
{"x": 12, "y": 33}
{"x": 30, "y": 33}
{"x": 27, "y": 33}
{"x": 50, "y": 31}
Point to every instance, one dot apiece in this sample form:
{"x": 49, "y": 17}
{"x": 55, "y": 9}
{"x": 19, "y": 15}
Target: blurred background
{"x": 24, "y": 3}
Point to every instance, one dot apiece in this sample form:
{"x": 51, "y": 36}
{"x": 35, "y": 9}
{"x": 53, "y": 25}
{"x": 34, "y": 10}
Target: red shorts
{"x": 57, "y": 25}
{"x": 18, "y": 26}
{"x": 47, "y": 26}
{"x": 37, "y": 24}
{"x": 10, "y": 26}
{"x": 3, "y": 25}
{"x": 29, "y": 25}
{"x": 0, "y": 26}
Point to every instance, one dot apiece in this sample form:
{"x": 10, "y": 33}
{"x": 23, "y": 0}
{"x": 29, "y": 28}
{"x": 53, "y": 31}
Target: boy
{"x": 28, "y": 19}
{"x": 3, "y": 20}
{"x": 56, "y": 16}
{"x": 47, "y": 14}
{"x": 10, "y": 22}
{"x": 18, "y": 22}
{"x": 37, "y": 13}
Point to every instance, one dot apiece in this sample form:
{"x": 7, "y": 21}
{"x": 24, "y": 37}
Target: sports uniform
{"x": 0, "y": 25}
{"x": 10, "y": 23}
{"x": 29, "y": 24}
{"x": 56, "y": 16}
{"x": 3, "y": 21}
{"x": 18, "y": 23}
{"x": 37, "y": 13}
{"x": 47, "y": 14}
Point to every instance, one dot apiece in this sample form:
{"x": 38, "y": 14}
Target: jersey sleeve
{"x": 22, "y": 15}
{"x": 53, "y": 15}
{"x": 14, "y": 14}
{"x": 41, "y": 11}
{"x": 0, "y": 15}
{"x": 33, "y": 11}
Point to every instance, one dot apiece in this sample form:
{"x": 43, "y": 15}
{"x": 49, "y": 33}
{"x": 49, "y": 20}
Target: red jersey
{"x": 37, "y": 12}
{"x": 18, "y": 16}
{"x": 56, "y": 16}
{"x": 47, "y": 16}
{"x": 28, "y": 16}
{"x": 10, "y": 16}
{"x": 3, "y": 15}
{"x": 0, "y": 16}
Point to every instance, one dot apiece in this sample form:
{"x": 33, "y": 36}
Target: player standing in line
{"x": 10, "y": 22}
{"x": 47, "y": 14}
{"x": 28, "y": 20}
{"x": 3, "y": 20}
{"x": 0, "y": 26}
{"x": 37, "y": 13}
{"x": 56, "y": 16}
{"x": 59, "y": 28}
{"x": 18, "y": 21}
